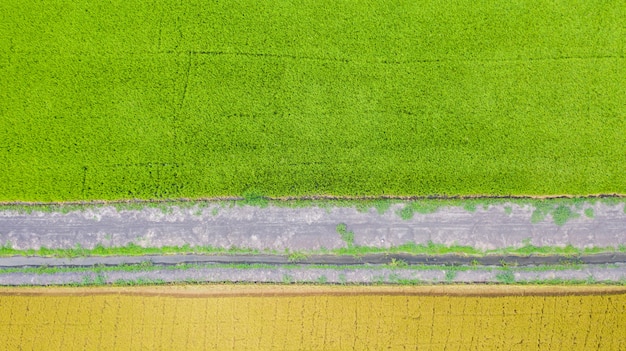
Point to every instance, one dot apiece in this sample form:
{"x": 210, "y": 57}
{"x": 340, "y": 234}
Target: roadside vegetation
{"x": 148, "y": 274}
{"x": 429, "y": 248}
{"x": 560, "y": 209}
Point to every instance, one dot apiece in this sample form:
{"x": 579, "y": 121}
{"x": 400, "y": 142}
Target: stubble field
{"x": 314, "y": 318}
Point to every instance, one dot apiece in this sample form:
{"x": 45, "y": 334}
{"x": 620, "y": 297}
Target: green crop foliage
{"x": 171, "y": 99}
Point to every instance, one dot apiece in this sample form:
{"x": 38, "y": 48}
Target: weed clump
{"x": 506, "y": 277}
{"x": 346, "y": 236}
{"x": 562, "y": 214}
{"x": 253, "y": 198}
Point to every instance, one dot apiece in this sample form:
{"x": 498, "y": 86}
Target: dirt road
{"x": 276, "y": 228}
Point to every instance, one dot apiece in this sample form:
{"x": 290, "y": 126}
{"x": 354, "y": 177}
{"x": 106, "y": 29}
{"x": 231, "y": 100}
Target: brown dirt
{"x": 242, "y": 290}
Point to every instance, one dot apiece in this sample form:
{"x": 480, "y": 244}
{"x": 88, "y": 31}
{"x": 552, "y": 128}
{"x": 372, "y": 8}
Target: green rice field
{"x": 168, "y": 99}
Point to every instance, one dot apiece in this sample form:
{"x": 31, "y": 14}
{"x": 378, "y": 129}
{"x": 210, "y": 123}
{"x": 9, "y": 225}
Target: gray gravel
{"x": 276, "y": 228}
{"x": 361, "y": 275}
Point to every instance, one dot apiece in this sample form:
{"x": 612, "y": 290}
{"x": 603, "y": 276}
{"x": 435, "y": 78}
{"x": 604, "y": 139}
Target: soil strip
{"x": 262, "y": 290}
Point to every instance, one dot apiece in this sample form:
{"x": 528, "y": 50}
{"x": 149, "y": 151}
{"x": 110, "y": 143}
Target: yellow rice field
{"x": 244, "y": 317}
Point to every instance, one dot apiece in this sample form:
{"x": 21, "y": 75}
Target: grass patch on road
{"x": 346, "y": 236}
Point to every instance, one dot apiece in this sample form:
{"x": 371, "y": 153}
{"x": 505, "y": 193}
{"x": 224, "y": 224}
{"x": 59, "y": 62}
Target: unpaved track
{"x": 312, "y": 228}
{"x": 317, "y": 275}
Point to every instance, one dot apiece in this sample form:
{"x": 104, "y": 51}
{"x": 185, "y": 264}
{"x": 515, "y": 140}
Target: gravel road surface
{"x": 277, "y": 228}
{"x": 309, "y": 228}
{"x": 361, "y": 275}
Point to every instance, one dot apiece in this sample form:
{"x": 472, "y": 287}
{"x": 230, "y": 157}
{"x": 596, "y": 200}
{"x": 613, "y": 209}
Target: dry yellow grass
{"x": 313, "y": 318}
